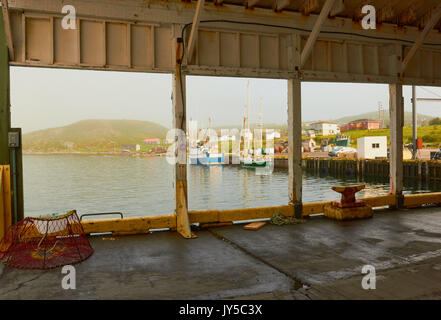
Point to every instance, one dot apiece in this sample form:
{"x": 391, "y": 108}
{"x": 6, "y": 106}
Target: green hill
{"x": 422, "y": 119}
{"x": 92, "y": 136}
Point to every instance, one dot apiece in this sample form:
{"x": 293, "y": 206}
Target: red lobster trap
{"x": 44, "y": 243}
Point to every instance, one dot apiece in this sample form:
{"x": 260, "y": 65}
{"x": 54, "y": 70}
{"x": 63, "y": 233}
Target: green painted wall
{"x": 5, "y": 113}
{"x": 5, "y": 123}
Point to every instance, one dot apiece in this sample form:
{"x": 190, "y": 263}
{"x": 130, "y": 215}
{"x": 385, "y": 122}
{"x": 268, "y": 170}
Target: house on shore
{"x": 372, "y": 147}
{"x": 361, "y": 124}
{"x": 325, "y": 128}
{"x": 152, "y": 141}
{"x": 130, "y": 147}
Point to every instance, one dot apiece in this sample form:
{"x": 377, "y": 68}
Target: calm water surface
{"x": 145, "y": 186}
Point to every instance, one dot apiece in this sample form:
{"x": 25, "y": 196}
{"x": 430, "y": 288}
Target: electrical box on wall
{"x": 14, "y": 140}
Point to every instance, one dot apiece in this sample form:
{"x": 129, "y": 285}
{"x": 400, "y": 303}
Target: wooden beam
{"x": 279, "y": 5}
{"x": 145, "y": 224}
{"x": 386, "y": 13}
{"x": 396, "y": 110}
{"x": 315, "y": 31}
{"x": 358, "y": 11}
{"x": 422, "y": 21}
{"x": 254, "y": 226}
{"x": 180, "y": 123}
{"x": 337, "y": 8}
{"x": 135, "y": 225}
{"x": 295, "y": 145}
{"x": 411, "y": 200}
{"x": 295, "y": 127}
{"x": 408, "y": 17}
{"x": 194, "y": 29}
{"x": 309, "y": 6}
{"x": 419, "y": 42}
{"x": 251, "y": 3}
{"x": 5, "y": 12}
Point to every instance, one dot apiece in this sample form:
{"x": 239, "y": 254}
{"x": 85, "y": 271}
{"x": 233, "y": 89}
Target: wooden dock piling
{"x": 423, "y": 171}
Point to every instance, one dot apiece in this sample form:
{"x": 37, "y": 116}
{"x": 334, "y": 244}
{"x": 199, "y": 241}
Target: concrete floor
{"x": 320, "y": 259}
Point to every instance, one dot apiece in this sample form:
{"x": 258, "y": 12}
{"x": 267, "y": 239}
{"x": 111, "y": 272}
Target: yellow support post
{"x": 5, "y": 200}
{"x": 2, "y": 209}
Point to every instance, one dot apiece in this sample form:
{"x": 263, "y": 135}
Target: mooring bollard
{"x": 348, "y": 207}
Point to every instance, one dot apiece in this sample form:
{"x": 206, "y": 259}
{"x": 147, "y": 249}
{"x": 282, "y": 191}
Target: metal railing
{"x": 101, "y": 214}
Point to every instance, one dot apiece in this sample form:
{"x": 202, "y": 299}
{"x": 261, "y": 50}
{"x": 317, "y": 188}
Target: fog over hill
{"x": 93, "y": 135}
{"x": 374, "y": 115}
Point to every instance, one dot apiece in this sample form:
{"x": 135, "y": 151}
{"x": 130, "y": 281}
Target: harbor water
{"x": 144, "y": 186}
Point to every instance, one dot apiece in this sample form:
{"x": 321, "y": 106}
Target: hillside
{"x": 92, "y": 136}
{"x": 374, "y": 116}
{"x": 422, "y": 120}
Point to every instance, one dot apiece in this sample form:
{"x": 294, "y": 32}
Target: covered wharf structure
{"x": 296, "y": 40}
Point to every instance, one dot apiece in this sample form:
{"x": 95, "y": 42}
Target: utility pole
{"x": 414, "y": 115}
{"x": 380, "y": 115}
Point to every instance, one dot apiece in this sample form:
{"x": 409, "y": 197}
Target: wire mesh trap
{"x": 45, "y": 243}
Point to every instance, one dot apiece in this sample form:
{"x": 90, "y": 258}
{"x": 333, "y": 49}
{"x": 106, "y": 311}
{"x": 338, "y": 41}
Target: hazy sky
{"x": 44, "y": 98}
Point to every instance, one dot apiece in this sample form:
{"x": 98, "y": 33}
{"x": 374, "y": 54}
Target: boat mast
{"x": 261, "y": 114}
{"x": 248, "y": 106}
{"x": 260, "y": 137}
{"x": 248, "y": 118}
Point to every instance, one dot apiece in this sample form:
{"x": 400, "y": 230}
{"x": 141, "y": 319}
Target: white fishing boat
{"x": 202, "y": 153}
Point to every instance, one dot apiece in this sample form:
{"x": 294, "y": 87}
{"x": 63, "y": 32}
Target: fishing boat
{"x": 207, "y": 158}
{"x": 248, "y": 159}
{"x": 202, "y": 153}
{"x": 250, "y": 162}
{"x": 342, "y": 140}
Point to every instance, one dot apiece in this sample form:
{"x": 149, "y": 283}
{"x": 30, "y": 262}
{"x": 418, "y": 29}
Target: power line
{"x": 431, "y": 92}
